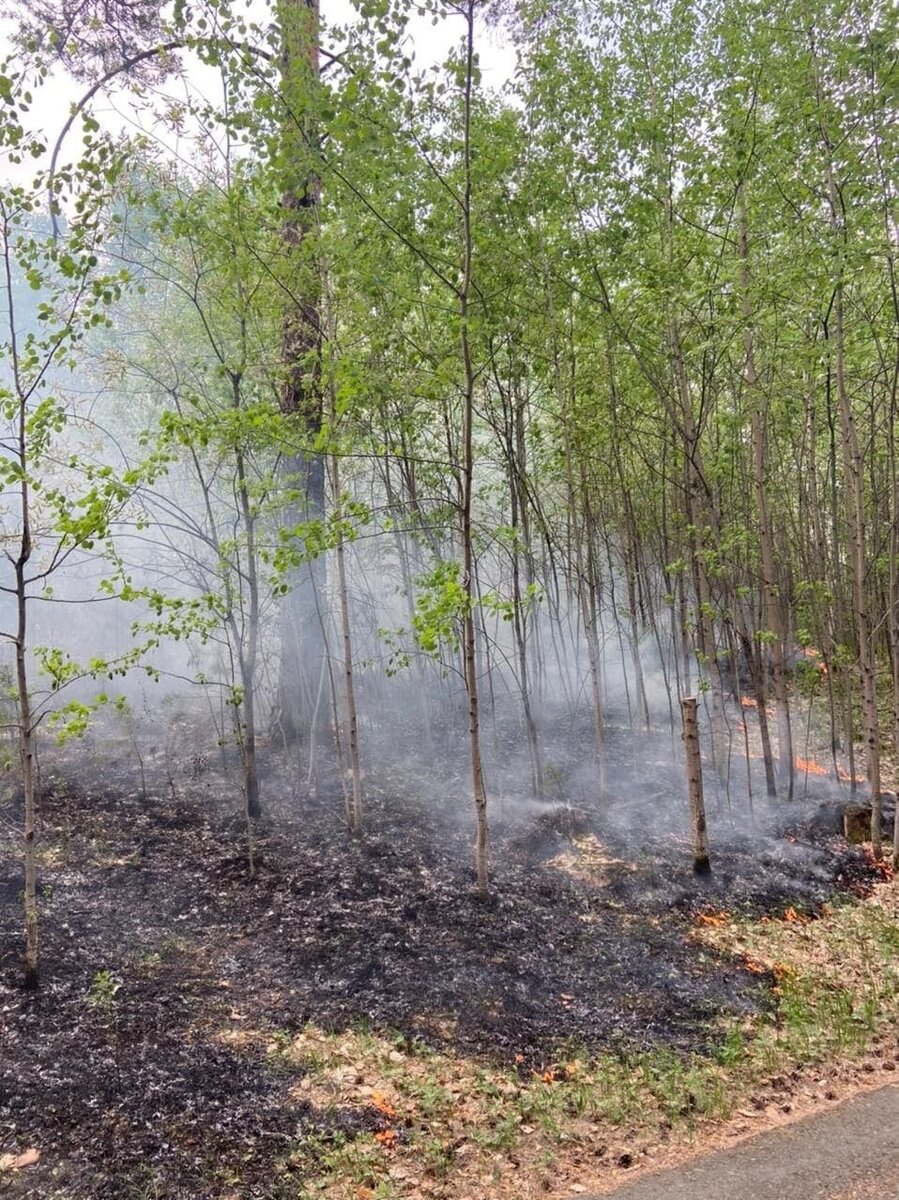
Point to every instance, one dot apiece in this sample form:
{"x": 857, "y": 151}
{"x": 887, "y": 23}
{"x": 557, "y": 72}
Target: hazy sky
{"x": 116, "y": 111}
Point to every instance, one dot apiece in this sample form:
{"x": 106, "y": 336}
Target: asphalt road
{"x": 850, "y": 1152}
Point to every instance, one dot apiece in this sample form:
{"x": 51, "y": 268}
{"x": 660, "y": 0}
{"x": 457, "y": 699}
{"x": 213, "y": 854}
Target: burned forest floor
{"x": 352, "y": 1022}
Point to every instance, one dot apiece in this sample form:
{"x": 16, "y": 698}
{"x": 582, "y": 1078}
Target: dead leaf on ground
{"x": 15, "y": 1162}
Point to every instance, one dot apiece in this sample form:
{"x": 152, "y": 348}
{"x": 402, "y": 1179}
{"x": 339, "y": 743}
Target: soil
{"x": 155, "y": 940}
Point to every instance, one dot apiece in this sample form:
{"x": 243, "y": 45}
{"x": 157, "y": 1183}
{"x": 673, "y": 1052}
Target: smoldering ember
{"x": 449, "y": 601}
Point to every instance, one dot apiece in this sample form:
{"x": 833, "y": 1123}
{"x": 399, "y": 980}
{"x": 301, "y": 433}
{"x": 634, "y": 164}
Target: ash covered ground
{"x": 155, "y": 939}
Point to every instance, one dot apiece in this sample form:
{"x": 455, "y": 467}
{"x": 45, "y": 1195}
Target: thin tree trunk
{"x": 469, "y": 650}
{"x": 248, "y": 644}
{"x": 26, "y": 754}
{"x": 27, "y": 757}
{"x": 771, "y": 600}
{"x": 853, "y": 468}
{"x": 350, "y": 690}
{"x": 519, "y": 620}
{"x": 590, "y": 616}
{"x": 346, "y": 630}
{"x": 702, "y": 863}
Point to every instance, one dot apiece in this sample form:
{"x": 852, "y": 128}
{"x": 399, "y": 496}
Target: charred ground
{"x": 156, "y": 940}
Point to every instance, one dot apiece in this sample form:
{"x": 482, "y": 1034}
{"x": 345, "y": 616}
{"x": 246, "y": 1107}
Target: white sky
{"x": 118, "y": 112}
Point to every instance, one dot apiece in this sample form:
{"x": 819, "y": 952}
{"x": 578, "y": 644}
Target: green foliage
{"x": 104, "y": 989}
{"x": 504, "y": 607}
{"x": 441, "y": 603}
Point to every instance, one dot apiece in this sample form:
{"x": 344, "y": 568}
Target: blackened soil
{"x": 793, "y": 856}
{"x": 156, "y": 940}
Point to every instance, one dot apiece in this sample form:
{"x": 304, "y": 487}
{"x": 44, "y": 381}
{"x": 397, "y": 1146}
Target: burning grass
{"x": 457, "y": 1127}
{"x": 713, "y": 919}
{"x": 465, "y": 1129}
{"x": 810, "y": 767}
{"x": 351, "y": 1024}
{"x": 837, "y": 976}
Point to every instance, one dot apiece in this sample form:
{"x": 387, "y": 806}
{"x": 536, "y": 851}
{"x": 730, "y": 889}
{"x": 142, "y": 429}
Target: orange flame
{"x": 713, "y": 918}
{"x": 810, "y": 766}
{"x": 796, "y": 918}
{"x": 845, "y": 777}
{"x": 382, "y": 1104}
{"x": 883, "y": 868}
{"x": 749, "y": 702}
{"x": 753, "y": 965}
{"x": 814, "y": 657}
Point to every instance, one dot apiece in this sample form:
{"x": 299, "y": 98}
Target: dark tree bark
{"x": 303, "y": 468}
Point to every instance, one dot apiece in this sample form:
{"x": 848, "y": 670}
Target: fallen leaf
{"x": 15, "y": 1162}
